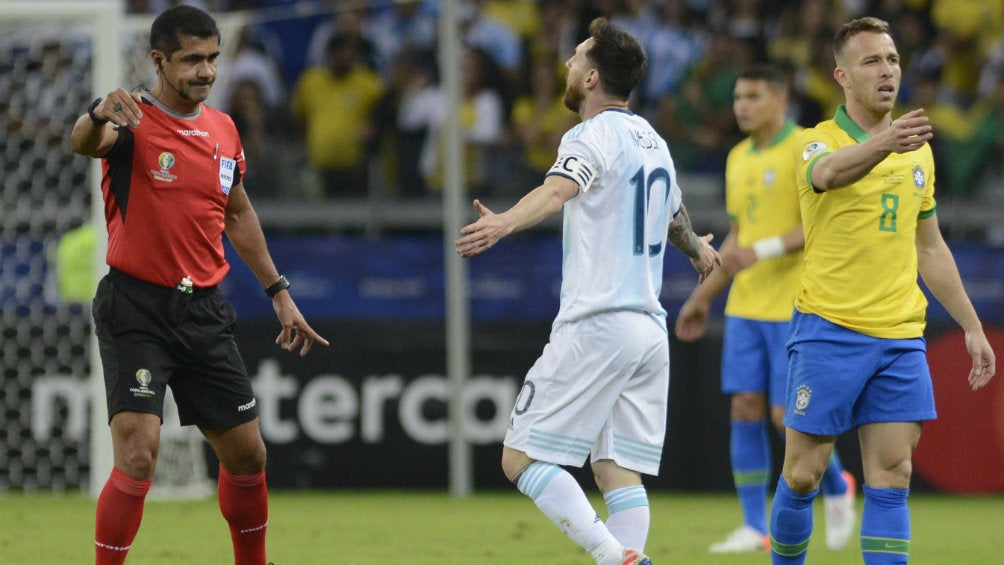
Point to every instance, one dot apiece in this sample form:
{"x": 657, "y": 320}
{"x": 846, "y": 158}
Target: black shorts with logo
{"x": 148, "y": 340}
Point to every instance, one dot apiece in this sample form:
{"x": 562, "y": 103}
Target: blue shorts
{"x": 839, "y": 378}
{"x": 754, "y": 358}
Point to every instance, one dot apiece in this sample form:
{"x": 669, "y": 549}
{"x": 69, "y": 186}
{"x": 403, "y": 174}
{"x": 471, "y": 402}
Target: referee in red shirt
{"x": 172, "y": 184}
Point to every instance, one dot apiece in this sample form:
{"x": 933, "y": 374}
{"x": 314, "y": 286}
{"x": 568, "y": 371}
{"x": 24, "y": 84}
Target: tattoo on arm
{"x": 682, "y": 236}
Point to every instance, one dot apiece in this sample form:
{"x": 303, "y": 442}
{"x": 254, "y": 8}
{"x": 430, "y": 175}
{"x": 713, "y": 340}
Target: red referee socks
{"x": 119, "y": 513}
{"x": 244, "y": 505}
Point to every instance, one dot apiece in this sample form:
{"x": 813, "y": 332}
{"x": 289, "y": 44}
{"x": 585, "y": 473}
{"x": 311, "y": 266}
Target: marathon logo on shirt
{"x": 193, "y": 133}
{"x": 576, "y": 169}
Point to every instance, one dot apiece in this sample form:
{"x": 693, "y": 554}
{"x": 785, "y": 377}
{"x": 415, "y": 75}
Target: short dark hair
{"x": 769, "y": 73}
{"x": 171, "y": 24}
{"x": 618, "y": 56}
{"x": 867, "y": 24}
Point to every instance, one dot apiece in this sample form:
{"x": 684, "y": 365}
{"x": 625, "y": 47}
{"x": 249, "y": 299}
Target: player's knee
{"x": 903, "y": 471}
{"x": 610, "y": 476}
{"x": 138, "y": 463}
{"x": 244, "y": 460}
{"x": 748, "y": 407}
{"x": 803, "y": 481}
{"x": 893, "y": 473}
{"x": 514, "y": 463}
{"x": 254, "y": 460}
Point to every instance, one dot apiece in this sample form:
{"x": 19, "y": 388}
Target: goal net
{"x": 56, "y": 56}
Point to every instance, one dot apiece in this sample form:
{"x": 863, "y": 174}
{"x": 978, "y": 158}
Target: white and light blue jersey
{"x": 615, "y": 229}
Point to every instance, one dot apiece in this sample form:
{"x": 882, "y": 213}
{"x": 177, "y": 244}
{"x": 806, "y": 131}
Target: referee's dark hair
{"x": 171, "y": 24}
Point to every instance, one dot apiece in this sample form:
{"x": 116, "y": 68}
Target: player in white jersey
{"x": 613, "y": 249}
{"x": 601, "y": 386}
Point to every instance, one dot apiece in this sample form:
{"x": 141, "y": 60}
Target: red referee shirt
{"x": 165, "y": 186}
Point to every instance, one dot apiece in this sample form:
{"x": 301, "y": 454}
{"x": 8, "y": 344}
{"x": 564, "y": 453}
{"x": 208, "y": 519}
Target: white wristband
{"x": 768, "y": 247}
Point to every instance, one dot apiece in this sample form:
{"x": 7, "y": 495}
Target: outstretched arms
{"x": 538, "y": 204}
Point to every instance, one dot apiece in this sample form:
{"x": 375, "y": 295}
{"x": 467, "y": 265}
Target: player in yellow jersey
{"x": 762, "y": 254}
{"x": 857, "y": 356}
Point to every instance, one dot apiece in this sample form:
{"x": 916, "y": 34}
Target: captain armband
{"x": 768, "y": 247}
{"x": 575, "y": 168}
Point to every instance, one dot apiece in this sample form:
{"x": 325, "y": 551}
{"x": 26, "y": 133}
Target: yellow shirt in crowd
{"x": 336, "y": 112}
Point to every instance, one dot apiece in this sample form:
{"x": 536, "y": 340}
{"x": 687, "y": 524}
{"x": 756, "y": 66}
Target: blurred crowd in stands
{"x": 354, "y": 89}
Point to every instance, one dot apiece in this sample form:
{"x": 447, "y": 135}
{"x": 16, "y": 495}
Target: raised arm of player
{"x": 538, "y": 204}
{"x": 851, "y": 163}
{"x": 118, "y": 108}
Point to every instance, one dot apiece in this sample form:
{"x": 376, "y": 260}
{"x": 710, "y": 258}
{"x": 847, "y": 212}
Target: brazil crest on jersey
{"x": 614, "y": 231}
{"x": 762, "y": 200}
{"x": 860, "y": 253}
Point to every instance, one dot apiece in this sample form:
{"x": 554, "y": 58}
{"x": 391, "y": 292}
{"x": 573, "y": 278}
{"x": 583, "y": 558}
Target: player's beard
{"x": 573, "y": 97}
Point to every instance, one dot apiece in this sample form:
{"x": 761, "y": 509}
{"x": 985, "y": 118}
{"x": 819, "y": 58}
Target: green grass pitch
{"x": 430, "y": 528}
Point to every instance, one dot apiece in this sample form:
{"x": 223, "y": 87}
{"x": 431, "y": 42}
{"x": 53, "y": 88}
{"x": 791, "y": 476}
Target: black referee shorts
{"x": 149, "y": 341}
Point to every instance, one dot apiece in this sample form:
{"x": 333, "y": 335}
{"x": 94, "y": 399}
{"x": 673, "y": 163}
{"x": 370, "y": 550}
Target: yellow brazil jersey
{"x": 860, "y": 254}
{"x": 762, "y": 200}
{"x": 336, "y": 111}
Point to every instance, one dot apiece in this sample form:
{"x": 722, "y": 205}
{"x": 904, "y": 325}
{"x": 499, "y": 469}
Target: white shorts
{"x": 601, "y": 386}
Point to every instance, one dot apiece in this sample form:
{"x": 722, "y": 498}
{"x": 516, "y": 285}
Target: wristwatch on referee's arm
{"x": 277, "y": 286}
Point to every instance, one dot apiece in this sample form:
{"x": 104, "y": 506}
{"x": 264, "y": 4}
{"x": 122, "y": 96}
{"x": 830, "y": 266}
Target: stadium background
{"x": 368, "y": 271}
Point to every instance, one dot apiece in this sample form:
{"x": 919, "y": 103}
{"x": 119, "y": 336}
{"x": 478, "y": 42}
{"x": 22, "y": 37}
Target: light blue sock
{"x": 885, "y": 526}
{"x": 790, "y": 525}
{"x": 749, "y": 447}
{"x": 833, "y": 483}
